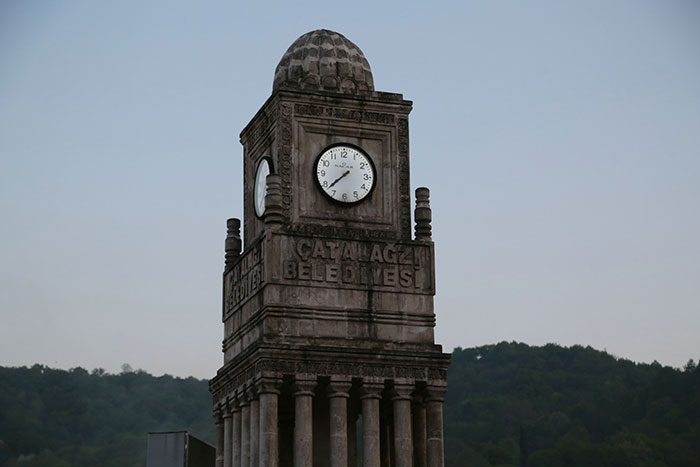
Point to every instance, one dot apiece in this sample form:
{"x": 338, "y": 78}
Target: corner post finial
{"x": 232, "y": 245}
{"x": 423, "y": 215}
{"x": 274, "y": 210}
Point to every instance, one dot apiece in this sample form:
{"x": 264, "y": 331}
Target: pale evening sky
{"x": 560, "y": 141}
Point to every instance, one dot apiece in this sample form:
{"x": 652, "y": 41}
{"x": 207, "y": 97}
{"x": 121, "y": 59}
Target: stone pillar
{"x": 232, "y": 243}
{"x": 423, "y": 215}
{"x": 274, "y": 207}
{"x": 403, "y": 445}
{"x": 228, "y": 424}
{"x": 219, "y": 421}
{"x": 419, "y": 432}
{"x": 433, "y": 414}
{"x": 338, "y": 394}
{"x": 303, "y": 422}
{"x": 254, "y": 428}
{"x": 245, "y": 431}
{"x": 269, "y": 438}
{"x": 370, "y": 394}
{"x": 236, "y": 435}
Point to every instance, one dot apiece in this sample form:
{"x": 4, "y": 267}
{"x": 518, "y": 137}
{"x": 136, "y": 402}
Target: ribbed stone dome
{"x": 324, "y": 60}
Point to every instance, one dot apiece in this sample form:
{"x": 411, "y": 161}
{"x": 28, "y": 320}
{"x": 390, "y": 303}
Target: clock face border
{"x": 314, "y": 169}
{"x": 271, "y": 169}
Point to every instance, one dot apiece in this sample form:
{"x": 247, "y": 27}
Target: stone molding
{"x": 434, "y": 393}
{"x": 227, "y": 409}
{"x": 235, "y": 403}
{"x": 339, "y": 387}
{"x": 304, "y": 386}
{"x": 268, "y": 385}
{"x": 232, "y": 381}
{"x": 352, "y": 233}
{"x": 218, "y": 416}
{"x": 261, "y": 123}
{"x": 344, "y": 113}
{"x": 284, "y": 157}
{"x": 402, "y": 392}
{"x": 404, "y": 178}
{"x": 371, "y": 390}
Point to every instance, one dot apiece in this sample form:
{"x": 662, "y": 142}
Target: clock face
{"x": 260, "y": 187}
{"x": 345, "y": 173}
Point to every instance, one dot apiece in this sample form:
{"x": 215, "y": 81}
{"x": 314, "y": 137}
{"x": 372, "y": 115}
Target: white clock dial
{"x": 260, "y": 187}
{"x": 345, "y": 173}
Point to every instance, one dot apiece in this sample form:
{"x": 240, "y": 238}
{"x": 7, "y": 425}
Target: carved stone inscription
{"x": 244, "y": 279}
{"x": 401, "y": 267}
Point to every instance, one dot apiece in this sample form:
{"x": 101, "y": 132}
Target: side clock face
{"x": 260, "y": 187}
{"x": 345, "y": 173}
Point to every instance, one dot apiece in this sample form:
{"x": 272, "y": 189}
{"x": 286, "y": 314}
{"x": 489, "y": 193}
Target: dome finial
{"x": 324, "y": 60}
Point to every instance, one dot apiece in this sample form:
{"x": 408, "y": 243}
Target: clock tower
{"x": 329, "y": 352}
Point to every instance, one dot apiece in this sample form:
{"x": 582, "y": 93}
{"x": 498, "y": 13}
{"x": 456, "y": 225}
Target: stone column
{"x": 254, "y": 428}
{"x": 403, "y": 445}
{"x": 338, "y": 394}
{"x": 419, "y": 432}
{"x": 245, "y": 432}
{"x": 370, "y": 394}
{"x": 228, "y": 424}
{"x": 303, "y": 422}
{"x": 269, "y": 439}
{"x": 236, "y": 435}
{"x": 433, "y": 408}
{"x": 219, "y": 421}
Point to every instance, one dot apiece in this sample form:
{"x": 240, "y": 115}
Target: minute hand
{"x": 338, "y": 179}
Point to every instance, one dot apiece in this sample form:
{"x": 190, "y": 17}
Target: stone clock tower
{"x": 329, "y": 352}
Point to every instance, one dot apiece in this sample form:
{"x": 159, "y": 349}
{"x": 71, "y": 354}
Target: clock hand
{"x": 338, "y": 179}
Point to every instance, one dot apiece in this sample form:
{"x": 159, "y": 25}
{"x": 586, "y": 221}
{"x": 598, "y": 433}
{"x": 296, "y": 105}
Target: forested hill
{"x": 515, "y": 405}
{"x": 507, "y": 405}
{"x": 56, "y": 418}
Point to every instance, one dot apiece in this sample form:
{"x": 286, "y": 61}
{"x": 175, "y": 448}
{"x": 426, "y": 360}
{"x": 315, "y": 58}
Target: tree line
{"x": 507, "y": 404}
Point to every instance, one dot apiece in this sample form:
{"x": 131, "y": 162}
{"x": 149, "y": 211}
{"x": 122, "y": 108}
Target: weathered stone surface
{"x": 303, "y": 426}
{"x": 269, "y": 438}
{"x": 324, "y": 60}
{"x": 328, "y": 310}
{"x": 292, "y": 128}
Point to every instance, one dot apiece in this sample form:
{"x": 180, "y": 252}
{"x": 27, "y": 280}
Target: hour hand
{"x": 338, "y": 179}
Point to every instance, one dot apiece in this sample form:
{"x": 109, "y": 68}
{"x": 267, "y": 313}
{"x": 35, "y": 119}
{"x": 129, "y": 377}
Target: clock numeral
{"x": 333, "y": 192}
{"x": 344, "y": 154}
{"x": 323, "y": 173}
{"x": 345, "y": 196}
{"x": 365, "y": 176}
{"x": 354, "y": 193}
{"x": 325, "y": 183}
{"x": 326, "y": 163}
{"x": 362, "y": 165}
{"x": 364, "y": 187}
